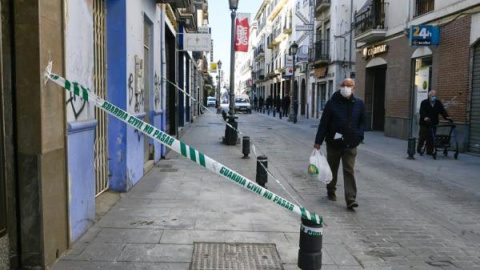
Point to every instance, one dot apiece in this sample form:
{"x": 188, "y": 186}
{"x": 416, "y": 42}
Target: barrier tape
{"x": 241, "y": 133}
{"x": 180, "y": 147}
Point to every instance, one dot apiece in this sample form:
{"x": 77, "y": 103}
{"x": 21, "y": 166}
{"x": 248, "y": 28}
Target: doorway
{"x": 377, "y": 77}
{"x": 147, "y": 56}
{"x": 304, "y": 98}
{"x": 170, "y": 92}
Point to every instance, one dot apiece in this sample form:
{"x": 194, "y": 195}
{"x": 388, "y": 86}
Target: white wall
{"x": 136, "y": 13}
{"x": 79, "y": 56}
{"x": 400, "y": 16}
{"x": 475, "y": 30}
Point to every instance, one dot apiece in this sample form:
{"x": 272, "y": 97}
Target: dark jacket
{"x": 432, "y": 112}
{"x": 343, "y": 116}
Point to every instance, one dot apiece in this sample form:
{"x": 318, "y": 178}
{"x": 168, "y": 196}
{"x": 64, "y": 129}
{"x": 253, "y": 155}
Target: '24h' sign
{"x": 424, "y": 35}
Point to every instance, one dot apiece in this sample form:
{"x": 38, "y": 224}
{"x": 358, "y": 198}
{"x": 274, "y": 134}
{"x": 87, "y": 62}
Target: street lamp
{"x": 231, "y": 133}
{"x": 219, "y": 64}
{"x": 294, "y": 105}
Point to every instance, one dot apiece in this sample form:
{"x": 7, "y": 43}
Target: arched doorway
{"x": 303, "y": 99}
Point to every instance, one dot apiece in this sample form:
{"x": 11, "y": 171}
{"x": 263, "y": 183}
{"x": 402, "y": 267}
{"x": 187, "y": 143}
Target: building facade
{"x": 395, "y": 72}
{"x": 59, "y": 153}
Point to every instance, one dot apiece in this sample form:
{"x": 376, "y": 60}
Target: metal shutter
{"x": 475, "y": 112}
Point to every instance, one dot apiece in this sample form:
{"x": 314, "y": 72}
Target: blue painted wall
{"x": 81, "y": 177}
{"x": 157, "y": 121}
{"x": 135, "y": 150}
{"x": 117, "y": 92}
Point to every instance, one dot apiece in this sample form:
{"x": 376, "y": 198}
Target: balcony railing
{"x": 259, "y": 52}
{"x": 261, "y": 74}
{"x": 320, "y": 52}
{"x": 423, "y": 6}
{"x": 372, "y": 17}
{"x": 322, "y": 5}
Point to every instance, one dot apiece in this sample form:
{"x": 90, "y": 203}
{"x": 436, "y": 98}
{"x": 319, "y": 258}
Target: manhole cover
{"x": 235, "y": 256}
{"x": 169, "y": 170}
{"x": 164, "y": 165}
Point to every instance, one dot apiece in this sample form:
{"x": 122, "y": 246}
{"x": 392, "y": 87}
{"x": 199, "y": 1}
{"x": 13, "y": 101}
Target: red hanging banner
{"x": 242, "y": 32}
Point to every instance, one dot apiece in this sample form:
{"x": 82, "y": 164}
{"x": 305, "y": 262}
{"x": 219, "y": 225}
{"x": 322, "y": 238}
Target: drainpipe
{"x": 351, "y": 36}
{"x": 163, "y": 74}
{"x": 409, "y": 7}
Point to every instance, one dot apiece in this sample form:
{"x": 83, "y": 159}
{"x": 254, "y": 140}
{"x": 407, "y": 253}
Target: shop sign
{"x": 424, "y": 35}
{"x": 288, "y": 66}
{"x": 372, "y": 51}
{"x": 213, "y": 67}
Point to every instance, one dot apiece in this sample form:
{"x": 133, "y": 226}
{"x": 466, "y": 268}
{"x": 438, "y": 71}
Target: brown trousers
{"x": 347, "y": 156}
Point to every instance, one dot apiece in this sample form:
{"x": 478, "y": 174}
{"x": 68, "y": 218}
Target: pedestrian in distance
{"x": 430, "y": 108}
{"x": 260, "y": 103}
{"x": 286, "y": 105}
{"x": 342, "y": 126}
{"x": 278, "y": 103}
{"x": 269, "y": 103}
{"x": 255, "y": 103}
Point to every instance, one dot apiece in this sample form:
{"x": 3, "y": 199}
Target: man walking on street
{"x": 342, "y": 126}
{"x": 430, "y": 108}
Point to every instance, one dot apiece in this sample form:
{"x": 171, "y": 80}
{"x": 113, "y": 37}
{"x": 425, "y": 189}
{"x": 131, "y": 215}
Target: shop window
{"x": 422, "y": 80}
{"x": 423, "y": 6}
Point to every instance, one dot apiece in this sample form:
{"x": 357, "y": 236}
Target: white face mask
{"x": 346, "y": 91}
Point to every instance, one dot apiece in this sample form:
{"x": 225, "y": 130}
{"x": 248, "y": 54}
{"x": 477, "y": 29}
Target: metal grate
{"x": 235, "y": 256}
{"x": 100, "y": 79}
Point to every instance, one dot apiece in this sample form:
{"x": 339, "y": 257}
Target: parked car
{"x": 211, "y": 101}
{"x": 242, "y": 103}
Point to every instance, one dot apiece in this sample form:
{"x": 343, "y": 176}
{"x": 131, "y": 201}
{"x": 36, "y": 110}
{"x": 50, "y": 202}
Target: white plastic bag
{"x": 319, "y": 168}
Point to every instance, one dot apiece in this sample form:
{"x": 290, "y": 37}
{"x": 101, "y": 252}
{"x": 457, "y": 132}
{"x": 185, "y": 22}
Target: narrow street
{"x": 420, "y": 214}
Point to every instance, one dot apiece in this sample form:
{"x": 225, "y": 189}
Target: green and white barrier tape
{"x": 240, "y": 133}
{"x": 179, "y": 147}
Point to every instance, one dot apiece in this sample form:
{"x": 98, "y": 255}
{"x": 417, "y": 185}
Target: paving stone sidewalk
{"x": 399, "y": 224}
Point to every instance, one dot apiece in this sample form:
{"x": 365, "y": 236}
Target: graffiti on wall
{"x": 136, "y": 86}
{"x": 76, "y": 104}
{"x": 453, "y": 102}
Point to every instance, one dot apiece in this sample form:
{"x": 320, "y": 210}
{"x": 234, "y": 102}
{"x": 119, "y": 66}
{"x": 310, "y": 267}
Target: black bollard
{"x": 246, "y": 146}
{"x": 310, "y": 252}
{"x": 411, "y": 147}
{"x": 231, "y": 134}
{"x": 262, "y": 176}
{"x": 274, "y": 112}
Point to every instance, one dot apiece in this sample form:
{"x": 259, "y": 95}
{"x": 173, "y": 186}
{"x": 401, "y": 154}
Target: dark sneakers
{"x": 331, "y": 196}
{"x": 352, "y": 204}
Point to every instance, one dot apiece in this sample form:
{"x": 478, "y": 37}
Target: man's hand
{"x": 426, "y": 119}
{"x": 316, "y": 146}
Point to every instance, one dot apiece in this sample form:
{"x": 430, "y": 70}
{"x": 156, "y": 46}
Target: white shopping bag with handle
{"x": 319, "y": 168}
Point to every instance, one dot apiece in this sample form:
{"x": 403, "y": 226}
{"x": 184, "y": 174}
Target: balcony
{"x": 287, "y": 29}
{"x": 370, "y": 22}
{"x": 320, "y": 53}
{"x": 259, "y": 53}
{"x": 176, "y": 3}
{"x": 270, "y": 44}
{"x": 260, "y": 75}
{"x": 278, "y": 7}
{"x": 322, "y": 5}
{"x": 279, "y": 36}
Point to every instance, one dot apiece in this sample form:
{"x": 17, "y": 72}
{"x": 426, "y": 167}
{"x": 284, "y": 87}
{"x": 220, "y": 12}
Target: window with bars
{"x": 423, "y": 6}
